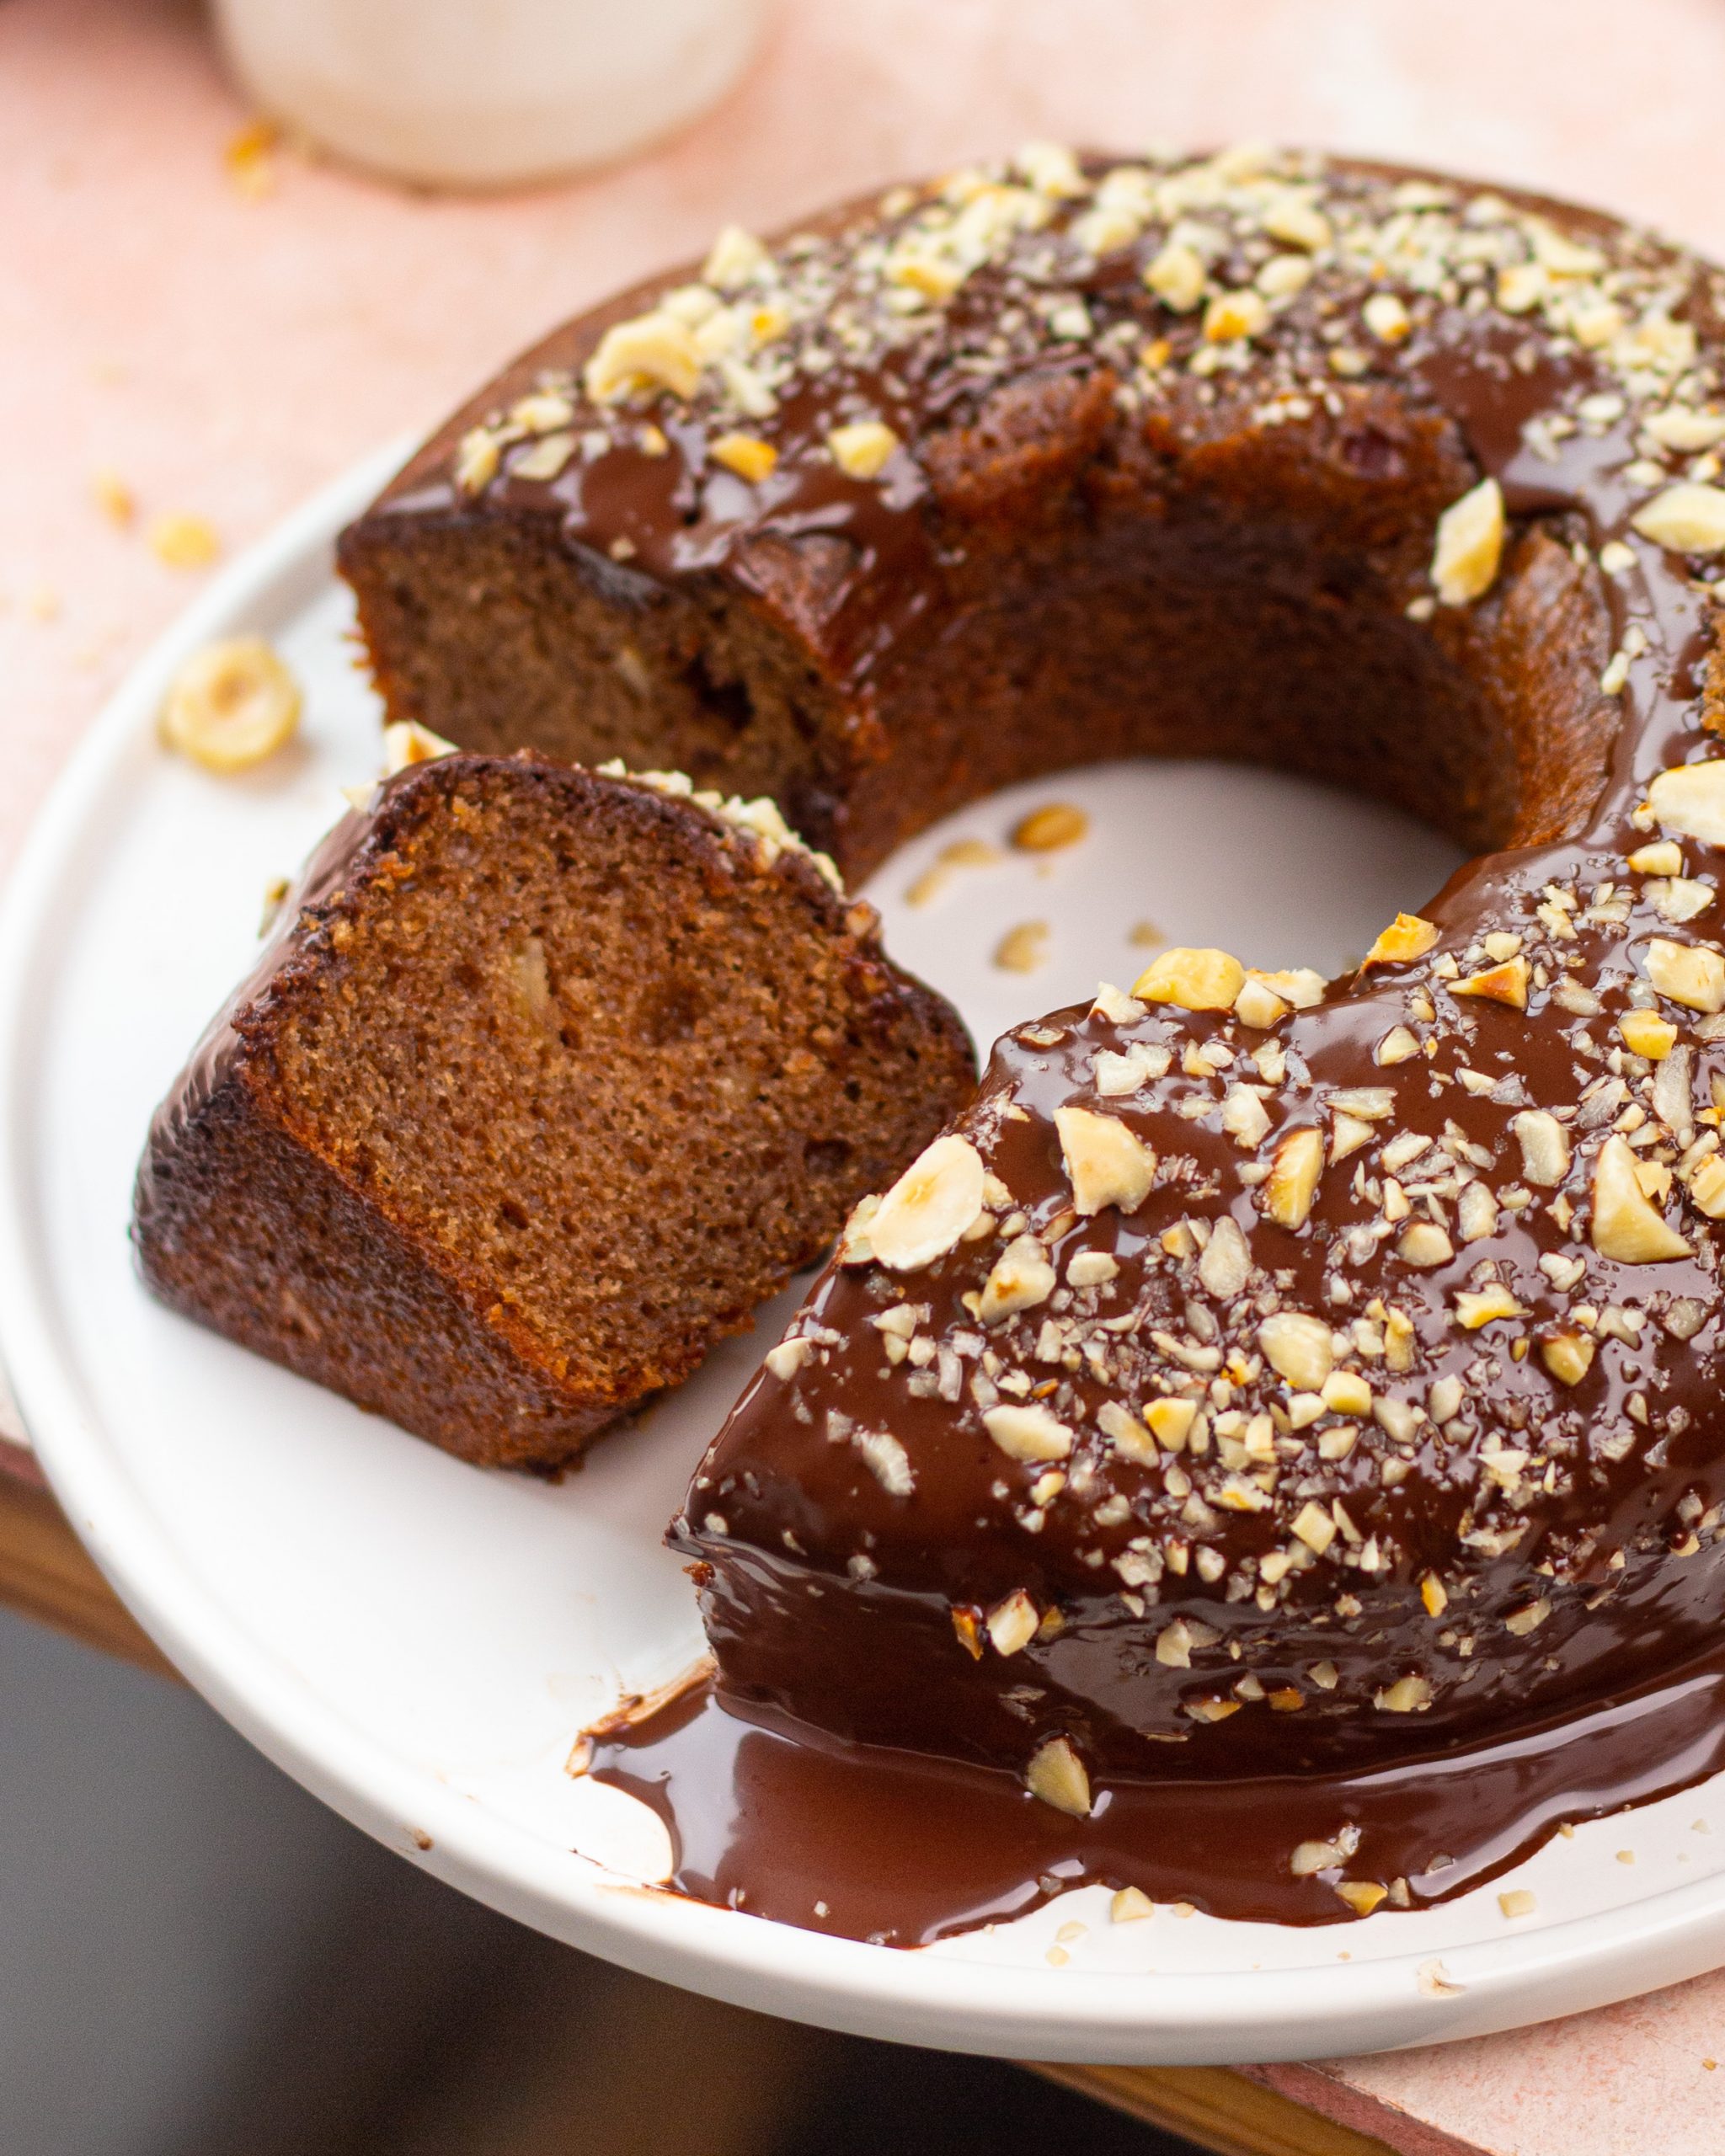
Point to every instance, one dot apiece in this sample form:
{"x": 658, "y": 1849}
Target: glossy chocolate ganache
{"x": 1267, "y": 1381}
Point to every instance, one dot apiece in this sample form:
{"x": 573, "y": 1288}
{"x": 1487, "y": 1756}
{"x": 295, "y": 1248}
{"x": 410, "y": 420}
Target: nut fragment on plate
{"x": 231, "y": 705}
{"x": 1045, "y": 830}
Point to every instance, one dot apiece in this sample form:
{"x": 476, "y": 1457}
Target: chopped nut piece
{"x": 1292, "y": 1183}
{"x": 929, "y": 1209}
{"x": 406, "y": 742}
{"x": 1297, "y": 1348}
{"x": 1194, "y": 979}
{"x": 1544, "y": 1146}
{"x": 1645, "y": 1033}
{"x": 1028, "y": 1433}
{"x": 1131, "y": 1905}
{"x": 1707, "y": 1188}
{"x": 1177, "y": 277}
{"x": 1516, "y": 1902}
{"x": 1663, "y": 857}
{"x": 1688, "y": 519}
{"x": 1022, "y": 1277}
{"x": 1569, "y": 1356}
{"x": 736, "y": 260}
{"x": 1022, "y": 949}
{"x": 1233, "y": 315}
{"x": 1690, "y": 798}
{"x": 1044, "y": 830}
{"x": 1056, "y": 1777}
{"x": 1689, "y": 974}
{"x": 1170, "y": 1421}
{"x": 1504, "y": 984}
{"x": 1314, "y": 1526}
{"x": 1434, "y": 1595}
{"x": 1258, "y": 1004}
{"x": 1106, "y": 1163}
{"x": 785, "y": 1360}
{"x": 1475, "y": 1309}
{"x": 1469, "y": 545}
{"x": 1407, "y": 1695}
{"x": 1386, "y": 318}
{"x": 651, "y": 351}
{"x": 1225, "y": 1265}
{"x": 863, "y": 449}
{"x": 183, "y": 542}
{"x": 1362, "y": 1895}
{"x": 1345, "y": 1392}
{"x": 746, "y": 454}
{"x": 1012, "y": 1624}
{"x": 1398, "y": 1045}
{"x": 1407, "y": 938}
{"x": 1424, "y": 1244}
{"x": 1244, "y": 1116}
{"x": 231, "y": 705}
{"x": 1625, "y": 1225}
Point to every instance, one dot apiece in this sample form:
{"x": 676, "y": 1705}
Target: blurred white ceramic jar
{"x": 487, "y": 93}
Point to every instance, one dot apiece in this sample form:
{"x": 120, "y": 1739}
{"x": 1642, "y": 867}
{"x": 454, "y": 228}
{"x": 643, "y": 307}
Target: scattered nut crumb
{"x": 250, "y": 157}
{"x": 1022, "y": 949}
{"x": 275, "y": 891}
{"x": 1044, "y": 830}
{"x": 1145, "y": 935}
{"x": 1517, "y": 1903}
{"x": 113, "y": 497}
{"x": 182, "y": 542}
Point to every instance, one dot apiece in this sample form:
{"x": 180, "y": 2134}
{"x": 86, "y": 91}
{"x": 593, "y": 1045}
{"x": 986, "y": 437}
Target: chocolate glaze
{"x": 898, "y": 1848}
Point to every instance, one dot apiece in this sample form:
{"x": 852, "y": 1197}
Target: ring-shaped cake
{"x": 1263, "y": 1374}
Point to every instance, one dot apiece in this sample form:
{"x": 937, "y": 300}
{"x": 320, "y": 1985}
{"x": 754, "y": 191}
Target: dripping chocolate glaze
{"x": 839, "y": 1603}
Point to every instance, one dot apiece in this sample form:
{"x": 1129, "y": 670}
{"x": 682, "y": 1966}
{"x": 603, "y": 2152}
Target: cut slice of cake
{"x": 549, "y": 1079}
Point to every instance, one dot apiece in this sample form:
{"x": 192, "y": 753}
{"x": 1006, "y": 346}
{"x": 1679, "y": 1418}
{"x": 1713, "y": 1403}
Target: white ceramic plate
{"x": 418, "y": 1642}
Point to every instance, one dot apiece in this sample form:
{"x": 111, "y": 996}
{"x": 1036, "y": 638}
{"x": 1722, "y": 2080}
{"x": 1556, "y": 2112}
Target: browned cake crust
{"x": 549, "y": 1079}
{"x": 1301, "y": 1374}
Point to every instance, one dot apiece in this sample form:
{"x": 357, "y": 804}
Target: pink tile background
{"x": 225, "y": 356}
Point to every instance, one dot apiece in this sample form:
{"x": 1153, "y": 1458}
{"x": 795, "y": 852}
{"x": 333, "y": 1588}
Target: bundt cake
{"x": 549, "y": 1078}
{"x": 1262, "y": 1374}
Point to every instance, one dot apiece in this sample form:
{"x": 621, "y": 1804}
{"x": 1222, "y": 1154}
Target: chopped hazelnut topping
{"x": 1028, "y": 1433}
{"x": 1625, "y": 1225}
{"x": 1106, "y": 1163}
{"x": 1012, "y": 1625}
{"x": 1688, "y": 519}
{"x": 1407, "y": 937}
{"x": 1469, "y": 545}
{"x": 746, "y": 454}
{"x": 651, "y": 351}
{"x": 1056, "y": 1777}
{"x": 863, "y": 449}
{"x": 1295, "y": 1169}
{"x": 930, "y": 1207}
{"x": 1297, "y": 1348}
{"x": 1194, "y": 979}
{"x": 1690, "y": 799}
{"x": 1502, "y": 984}
{"x": 1689, "y": 974}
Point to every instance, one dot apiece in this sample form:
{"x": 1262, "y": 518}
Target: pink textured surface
{"x": 225, "y": 356}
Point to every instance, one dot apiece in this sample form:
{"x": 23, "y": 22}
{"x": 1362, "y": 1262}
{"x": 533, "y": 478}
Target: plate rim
{"x": 1207, "y": 2017}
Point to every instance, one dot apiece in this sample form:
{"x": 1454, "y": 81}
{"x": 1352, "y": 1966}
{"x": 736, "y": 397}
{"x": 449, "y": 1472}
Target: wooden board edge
{"x": 48, "y": 1575}
{"x": 1222, "y": 2110}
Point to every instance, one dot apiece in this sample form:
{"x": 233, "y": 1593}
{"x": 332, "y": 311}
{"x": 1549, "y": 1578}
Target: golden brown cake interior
{"x": 608, "y": 1067}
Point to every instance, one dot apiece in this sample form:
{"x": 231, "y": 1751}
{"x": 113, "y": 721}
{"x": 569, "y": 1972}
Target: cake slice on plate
{"x": 549, "y": 1078}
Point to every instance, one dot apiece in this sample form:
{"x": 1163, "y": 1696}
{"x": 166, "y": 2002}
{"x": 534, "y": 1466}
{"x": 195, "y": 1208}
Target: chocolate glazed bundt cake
{"x": 549, "y": 1078}
{"x": 1262, "y": 1374}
